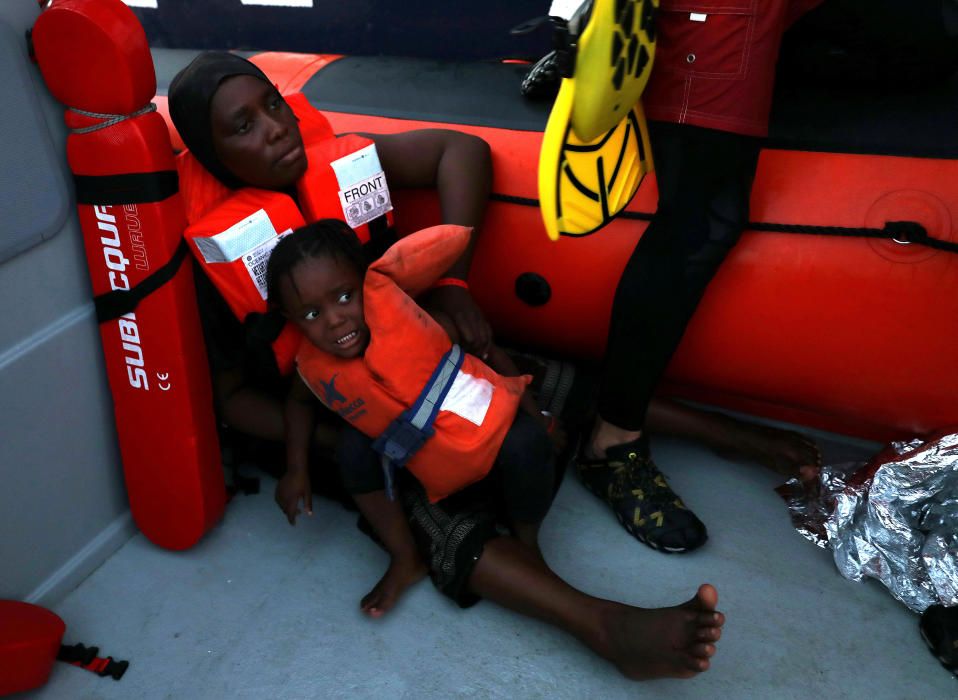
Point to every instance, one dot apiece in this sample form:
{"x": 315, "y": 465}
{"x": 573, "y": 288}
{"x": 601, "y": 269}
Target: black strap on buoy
{"x": 113, "y": 304}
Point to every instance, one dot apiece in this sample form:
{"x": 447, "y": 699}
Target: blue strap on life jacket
{"x": 408, "y": 433}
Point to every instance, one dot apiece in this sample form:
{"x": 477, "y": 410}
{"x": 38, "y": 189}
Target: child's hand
{"x": 293, "y": 487}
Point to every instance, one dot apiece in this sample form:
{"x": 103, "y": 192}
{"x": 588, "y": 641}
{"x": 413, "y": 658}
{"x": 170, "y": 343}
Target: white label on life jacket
{"x": 363, "y": 192}
{"x": 469, "y": 397}
{"x": 256, "y": 260}
{"x": 238, "y": 239}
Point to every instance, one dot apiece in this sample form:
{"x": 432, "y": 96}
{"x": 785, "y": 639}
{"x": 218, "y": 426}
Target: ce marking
{"x": 163, "y": 379}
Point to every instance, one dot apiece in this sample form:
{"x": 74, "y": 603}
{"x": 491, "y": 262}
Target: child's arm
{"x": 300, "y": 416}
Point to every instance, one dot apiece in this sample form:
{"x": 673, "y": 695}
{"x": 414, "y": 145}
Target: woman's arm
{"x": 459, "y": 166}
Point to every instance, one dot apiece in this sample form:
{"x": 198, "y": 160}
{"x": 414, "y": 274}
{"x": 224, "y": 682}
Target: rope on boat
{"x": 903, "y": 232}
{"x": 111, "y": 119}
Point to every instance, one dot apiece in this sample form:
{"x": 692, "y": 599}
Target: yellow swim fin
{"x": 613, "y": 61}
{"x": 595, "y": 149}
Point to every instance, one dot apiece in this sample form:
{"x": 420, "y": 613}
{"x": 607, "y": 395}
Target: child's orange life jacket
{"x": 405, "y": 347}
{"x": 232, "y": 232}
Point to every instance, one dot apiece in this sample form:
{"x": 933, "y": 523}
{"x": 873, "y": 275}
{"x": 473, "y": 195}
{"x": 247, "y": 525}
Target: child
{"x": 316, "y": 277}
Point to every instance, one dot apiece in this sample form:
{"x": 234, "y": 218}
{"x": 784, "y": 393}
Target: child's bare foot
{"x": 401, "y": 574}
{"x": 782, "y": 451}
{"x": 674, "y": 642}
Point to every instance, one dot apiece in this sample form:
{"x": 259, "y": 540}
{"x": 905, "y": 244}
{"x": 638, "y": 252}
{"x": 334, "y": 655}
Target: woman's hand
{"x": 452, "y": 305}
{"x": 291, "y": 489}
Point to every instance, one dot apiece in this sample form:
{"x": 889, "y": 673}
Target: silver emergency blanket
{"x": 894, "y": 518}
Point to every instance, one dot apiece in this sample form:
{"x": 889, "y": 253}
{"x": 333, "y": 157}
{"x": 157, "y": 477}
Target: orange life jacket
{"x": 405, "y": 347}
{"x": 233, "y": 232}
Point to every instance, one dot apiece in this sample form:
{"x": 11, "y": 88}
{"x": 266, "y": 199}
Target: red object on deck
{"x": 29, "y": 641}
{"x": 95, "y": 59}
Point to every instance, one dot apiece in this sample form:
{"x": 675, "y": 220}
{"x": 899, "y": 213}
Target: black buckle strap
{"x": 126, "y": 188}
{"x": 87, "y": 659}
{"x": 113, "y": 304}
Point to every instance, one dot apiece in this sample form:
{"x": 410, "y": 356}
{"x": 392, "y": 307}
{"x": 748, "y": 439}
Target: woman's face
{"x": 255, "y": 134}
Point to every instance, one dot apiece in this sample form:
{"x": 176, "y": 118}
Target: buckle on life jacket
{"x": 401, "y": 440}
{"x": 406, "y": 435}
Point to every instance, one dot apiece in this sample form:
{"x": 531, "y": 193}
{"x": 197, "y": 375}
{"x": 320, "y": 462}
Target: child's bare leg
{"x": 643, "y": 643}
{"x": 527, "y": 533}
{"x": 783, "y": 451}
{"x": 406, "y": 567}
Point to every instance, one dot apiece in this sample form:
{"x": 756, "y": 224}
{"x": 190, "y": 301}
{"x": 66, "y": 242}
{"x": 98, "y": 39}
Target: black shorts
{"x": 451, "y": 534}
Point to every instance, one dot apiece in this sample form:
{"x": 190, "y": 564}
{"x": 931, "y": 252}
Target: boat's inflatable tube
{"x": 842, "y": 332}
{"x": 94, "y": 58}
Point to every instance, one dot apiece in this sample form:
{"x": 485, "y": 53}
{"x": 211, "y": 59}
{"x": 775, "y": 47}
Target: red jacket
{"x": 715, "y": 62}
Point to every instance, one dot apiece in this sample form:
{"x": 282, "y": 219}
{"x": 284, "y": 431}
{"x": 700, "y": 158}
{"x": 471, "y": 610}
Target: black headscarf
{"x": 190, "y": 95}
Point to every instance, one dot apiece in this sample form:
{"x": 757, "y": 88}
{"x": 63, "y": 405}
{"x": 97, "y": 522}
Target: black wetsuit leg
{"x": 705, "y": 179}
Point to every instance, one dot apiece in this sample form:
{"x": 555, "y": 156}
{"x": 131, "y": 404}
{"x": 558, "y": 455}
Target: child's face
{"x": 324, "y": 298}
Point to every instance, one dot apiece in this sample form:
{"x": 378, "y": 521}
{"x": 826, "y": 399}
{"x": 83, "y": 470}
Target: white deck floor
{"x": 262, "y": 610}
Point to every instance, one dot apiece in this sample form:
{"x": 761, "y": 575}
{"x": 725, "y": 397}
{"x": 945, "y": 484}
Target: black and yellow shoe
{"x": 628, "y": 480}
